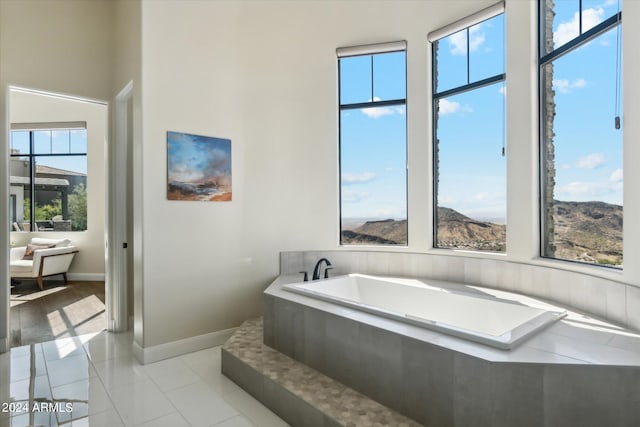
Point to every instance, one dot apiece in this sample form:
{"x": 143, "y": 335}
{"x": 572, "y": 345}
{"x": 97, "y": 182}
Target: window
{"x": 581, "y": 136}
{"x": 373, "y": 154}
{"x": 48, "y": 178}
{"x": 469, "y": 135}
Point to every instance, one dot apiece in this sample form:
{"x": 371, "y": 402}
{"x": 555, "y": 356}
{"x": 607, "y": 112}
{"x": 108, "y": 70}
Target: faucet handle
{"x": 326, "y": 271}
{"x": 306, "y": 275}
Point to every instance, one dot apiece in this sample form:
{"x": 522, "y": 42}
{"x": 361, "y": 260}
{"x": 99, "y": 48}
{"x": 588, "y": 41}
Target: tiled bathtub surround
{"x": 608, "y": 299}
{"x": 579, "y": 371}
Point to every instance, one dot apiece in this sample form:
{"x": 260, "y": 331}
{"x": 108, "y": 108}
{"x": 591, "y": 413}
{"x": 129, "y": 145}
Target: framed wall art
{"x": 198, "y": 168}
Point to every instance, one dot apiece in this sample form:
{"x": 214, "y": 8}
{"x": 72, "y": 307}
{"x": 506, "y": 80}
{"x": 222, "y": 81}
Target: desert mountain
{"x": 588, "y": 231}
{"x": 585, "y": 231}
{"x": 459, "y": 231}
{"x": 384, "y": 232}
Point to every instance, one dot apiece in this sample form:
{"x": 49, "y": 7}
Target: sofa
{"x": 42, "y": 258}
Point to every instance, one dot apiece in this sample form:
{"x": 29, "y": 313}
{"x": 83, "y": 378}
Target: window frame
{"x": 371, "y": 50}
{"x": 437, "y": 96}
{"x": 32, "y": 157}
{"x": 543, "y": 59}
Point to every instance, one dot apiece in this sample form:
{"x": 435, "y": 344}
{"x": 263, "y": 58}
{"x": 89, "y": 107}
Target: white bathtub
{"x": 480, "y": 318}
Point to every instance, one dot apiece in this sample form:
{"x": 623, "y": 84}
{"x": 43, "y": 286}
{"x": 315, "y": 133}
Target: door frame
{"x": 5, "y": 235}
{"x": 116, "y": 276}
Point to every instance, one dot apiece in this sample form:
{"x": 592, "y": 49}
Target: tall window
{"x": 373, "y": 155}
{"x": 48, "y": 182}
{"x": 469, "y": 137}
{"x": 581, "y": 132}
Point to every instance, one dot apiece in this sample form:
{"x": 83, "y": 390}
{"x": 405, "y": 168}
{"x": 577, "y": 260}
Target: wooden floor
{"x": 58, "y": 311}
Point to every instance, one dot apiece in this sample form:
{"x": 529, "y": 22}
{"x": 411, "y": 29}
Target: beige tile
{"x": 171, "y": 374}
{"x": 108, "y": 418}
{"x": 140, "y": 402}
{"x": 200, "y": 405}
{"x": 259, "y": 414}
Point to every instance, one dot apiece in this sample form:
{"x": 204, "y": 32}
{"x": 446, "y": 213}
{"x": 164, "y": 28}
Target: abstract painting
{"x": 198, "y": 167}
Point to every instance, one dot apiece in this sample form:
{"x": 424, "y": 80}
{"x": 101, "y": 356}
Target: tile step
{"x": 298, "y": 394}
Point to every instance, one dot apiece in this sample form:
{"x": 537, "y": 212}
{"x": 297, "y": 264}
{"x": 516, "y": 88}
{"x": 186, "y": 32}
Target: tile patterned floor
{"x": 97, "y": 376}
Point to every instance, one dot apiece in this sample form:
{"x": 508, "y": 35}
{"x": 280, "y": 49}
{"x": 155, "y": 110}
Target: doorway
{"x": 57, "y": 173}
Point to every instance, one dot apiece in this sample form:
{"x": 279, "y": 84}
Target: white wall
{"x": 62, "y": 46}
{"x": 34, "y": 108}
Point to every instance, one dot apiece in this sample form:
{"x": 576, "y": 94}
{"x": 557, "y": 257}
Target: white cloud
{"x": 488, "y": 197}
{"x": 591, "y": 17}
{"x": 588, "y": 190}
{"x": 579, "y": 83}
{"x": 449, "y": 107}
{"x": 609, "y": 191}
{"x": 575, "y": 189}
{"x": 446, "y": 200}
{"x": 476, "y": 38}
{"x": 377, "y": 112}
{"x": 561, "y": 85}
{"x": 569, "y": 30}
{"x": 566, "y": 86}
{"x": 458, "y": 41}
{"x": 358, "y": 178}
{"x": 616, "y": 176}
{"x": 354, "y": 196}
{"x": 503, "y": 90}
{"x": 591, "y": 161}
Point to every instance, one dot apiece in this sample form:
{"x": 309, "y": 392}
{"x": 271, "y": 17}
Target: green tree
{"x": 46, "y": 212}
{"x": 43, "y": 212}
{"x": 27, "y": 209}
{"x": 78, "y": 208}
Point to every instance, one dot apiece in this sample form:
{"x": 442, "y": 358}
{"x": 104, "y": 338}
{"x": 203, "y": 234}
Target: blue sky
{"x": 192, "y": 158}
{"x": 471, "y": 128}
{"x": 373, "y": 140}
{"x": 588, "y": 148}
{"x": 55, "y": 142}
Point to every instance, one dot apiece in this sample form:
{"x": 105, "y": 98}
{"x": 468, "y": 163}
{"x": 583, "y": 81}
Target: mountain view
{"x": 585, "y": 231}
{"x": 588, "y": 232}
{"x": 384, "y": 232}
{"x": 461, "y": 232}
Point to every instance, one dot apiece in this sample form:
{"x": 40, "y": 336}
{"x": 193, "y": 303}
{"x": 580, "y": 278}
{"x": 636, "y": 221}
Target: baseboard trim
{"x": 86, "y": 277}
{"x": 138, "y": 352}
{"x": 146, "y": 355}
